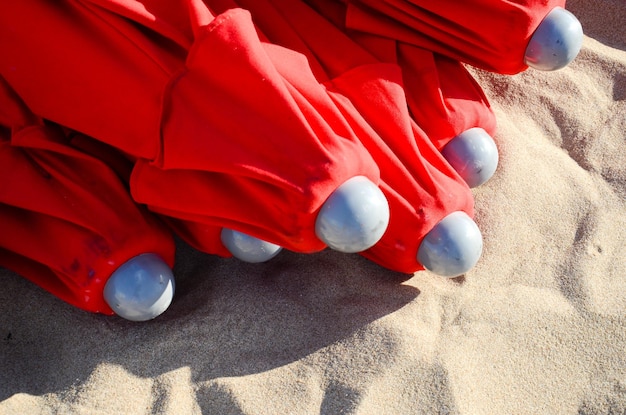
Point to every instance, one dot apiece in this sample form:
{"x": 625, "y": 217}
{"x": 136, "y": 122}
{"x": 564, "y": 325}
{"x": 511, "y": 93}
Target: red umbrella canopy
{"x": 490, "y": 34}
{"x": 68, "y": 221}
{"x": 420, "y": 186}
{"x": 225, "y": 130}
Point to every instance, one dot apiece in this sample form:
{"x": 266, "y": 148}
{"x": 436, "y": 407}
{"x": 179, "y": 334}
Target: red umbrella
{"x": 225, "y": 131}
{"x": 69, "y": 224}
{"x": 504, "y": 36}
{"x": 422, "y": 189}
{"x": 443, "y": 97}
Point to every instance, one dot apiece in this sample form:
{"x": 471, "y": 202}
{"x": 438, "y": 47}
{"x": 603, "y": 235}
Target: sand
{"x": 538, "y": 327}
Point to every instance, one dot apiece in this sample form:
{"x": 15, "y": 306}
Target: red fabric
{"x": 489, "y": 34}
{"x": 420, "y": 186}
{"x": 443, "y": 97}
{"x": 68, "y": 221}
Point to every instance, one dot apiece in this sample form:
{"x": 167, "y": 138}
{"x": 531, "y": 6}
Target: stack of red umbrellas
{"x": 244, "y": 126}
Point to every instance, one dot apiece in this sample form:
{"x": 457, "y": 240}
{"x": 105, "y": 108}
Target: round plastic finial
{"x": 248, "y": 248}
{"x": 354, "y": 217}
{"x": 141, "y": 289}
{"x": 452, "y": 247}
{"x": 556, "y": 41}
{"x": 474, "y": 155}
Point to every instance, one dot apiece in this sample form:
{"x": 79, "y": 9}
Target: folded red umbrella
{"x": 420, "y": 185}
{"x": 68, "y": 222}
{"x": 496, "y": 35}
{"x": 224, "y": 130}
{"x": 443, "y": 97}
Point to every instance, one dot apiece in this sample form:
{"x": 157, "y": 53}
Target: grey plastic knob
{"x": 248, "y": 248}
{"x": 354, "y": 217}
{"x": 556, "y": 41}
{"x": 452, "y": 247}
{"x": 140, "y": 289}
{"x": 474, "y": 155}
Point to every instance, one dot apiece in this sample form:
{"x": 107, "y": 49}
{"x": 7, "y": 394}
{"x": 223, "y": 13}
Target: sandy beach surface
{"x": 538, "y": 327}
